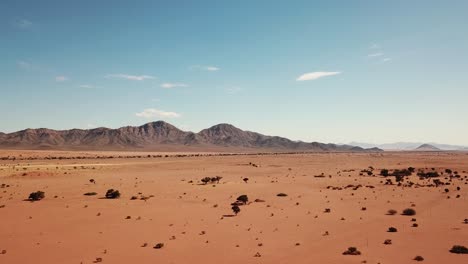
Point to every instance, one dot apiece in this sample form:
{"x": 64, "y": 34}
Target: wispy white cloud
{"x": 315, "y": 75}
{"x": 30, "y": 66}
{"x": 374, "y": 46}
{"x": 173, "y": 85}
{"x": 129, "y": 77}
{"x": 373, "y": 55}
{"x": 61, "y": 78}
{"x": 233, "y": 90}
{"x": 22, "y": 23}
{"x": 87, "y": 86}
{"x": 24, "y": 65}
{"x": 211, "y": 68}
{"x": 205, "y": 68}
{"x": 152, "y": 113}
{"x": 386, "y": 59}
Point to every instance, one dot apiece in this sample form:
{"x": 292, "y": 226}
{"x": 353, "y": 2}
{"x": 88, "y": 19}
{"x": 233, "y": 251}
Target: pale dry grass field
{"x": 331, "y": 205}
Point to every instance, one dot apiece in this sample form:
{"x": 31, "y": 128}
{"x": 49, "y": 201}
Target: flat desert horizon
{"x": 300, "y": 208}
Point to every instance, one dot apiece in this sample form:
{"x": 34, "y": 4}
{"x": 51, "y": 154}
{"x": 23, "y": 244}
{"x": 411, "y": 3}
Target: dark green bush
{"x": 457, "y": 249}
{"x": 206, "y": 180}
{"x": 236, "y": 209}
{"x": 112, "y": 194}
{"x": 352, "y": 251}
{"x": 159, "y": 246}
{"x": 409, "y": 211}
{"x": 36, "y": 196}
{"x": 243, "y": 198}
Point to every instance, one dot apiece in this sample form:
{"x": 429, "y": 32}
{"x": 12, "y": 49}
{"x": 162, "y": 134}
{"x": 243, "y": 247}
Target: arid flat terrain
{"x": 331, "y": 201}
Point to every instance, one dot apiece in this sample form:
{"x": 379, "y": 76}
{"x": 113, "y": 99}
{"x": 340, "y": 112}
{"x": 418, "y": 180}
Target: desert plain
{"x": 331, "y": 201}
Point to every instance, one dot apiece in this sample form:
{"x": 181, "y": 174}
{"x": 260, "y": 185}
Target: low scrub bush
{"x": 36, "y": 196}
{"x": 112, "y": 194}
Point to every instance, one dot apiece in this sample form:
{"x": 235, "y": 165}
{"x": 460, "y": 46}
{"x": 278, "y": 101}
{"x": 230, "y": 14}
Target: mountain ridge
{"x": 427, "y": 147}
{"x": 408, "y": 145}
{"x": 160, "y": 135}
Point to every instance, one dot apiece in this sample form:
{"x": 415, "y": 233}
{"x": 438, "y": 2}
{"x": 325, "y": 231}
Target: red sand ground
{"x": 68, "y": 227}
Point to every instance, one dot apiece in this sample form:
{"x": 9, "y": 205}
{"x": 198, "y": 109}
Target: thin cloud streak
{"x": 22, "y": 23}
{"x": 130, "y": 77}
{"x": 205, "y": 68}
{"x": 61, "y": 78}
{"x": 152, "y": 113}
{"x": 173, "y": 85}
{"x": 373, "y": 55}
{"x": 87, "y": 86}
{"x": 315, "y": 75}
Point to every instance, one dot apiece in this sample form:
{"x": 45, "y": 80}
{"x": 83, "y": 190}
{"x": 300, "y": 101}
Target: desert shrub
{"x": 216, "y": 179}
{"x": 36, "y": 196}
{"x": 384, "y": 172}
{"x": 457, "y": 249}
{"x": 418, "y": 258}
{"x": 352, "y": 251}
{"x": 401, "y": 173}
{"x": 391, "y": 212}
{"x": 281, "y": 195}
{"x": 112, "y": 194}
{"x": 387, "y": 242}
{"x": 399, "y": 178}
{"x": 243, "y": 198}
{"x": 206, "y": 180}
{"x": 327, "y": 210}
{"x": 430, "y": 174}
{"x": 392, "y": 230}
{"x": 245, "y": 180}
{"x": 409, "y": 211}
{"x": 236, "y": 209}
{"x": 90, "y": 193}
{"x": 159, "y": 246}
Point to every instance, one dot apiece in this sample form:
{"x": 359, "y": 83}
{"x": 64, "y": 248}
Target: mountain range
{"x": 408, "y": 146}
{"x": 160, "y": 136}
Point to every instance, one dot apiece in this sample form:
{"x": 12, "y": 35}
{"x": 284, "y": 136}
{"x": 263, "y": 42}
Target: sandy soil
{"x": 195, "y": 222}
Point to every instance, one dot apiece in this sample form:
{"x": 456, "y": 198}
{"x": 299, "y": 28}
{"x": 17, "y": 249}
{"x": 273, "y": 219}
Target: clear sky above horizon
{"x": 328, "y": 71}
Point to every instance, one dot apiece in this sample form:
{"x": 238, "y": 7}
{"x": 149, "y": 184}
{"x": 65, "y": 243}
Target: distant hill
{"x": 160, "y": 136}
{"x": 408, "y": 146}
{"x": 426, "y": 147}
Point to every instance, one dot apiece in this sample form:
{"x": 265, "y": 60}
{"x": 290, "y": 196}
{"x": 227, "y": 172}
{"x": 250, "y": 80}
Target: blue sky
{"x": 329, "y": 71}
